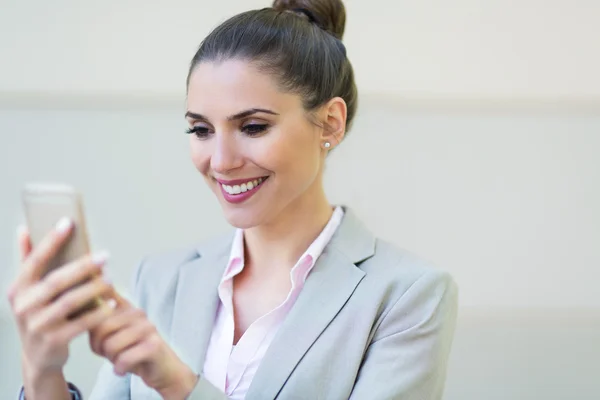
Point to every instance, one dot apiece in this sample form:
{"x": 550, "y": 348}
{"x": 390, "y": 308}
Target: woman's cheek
{"x": 200, "y": 158}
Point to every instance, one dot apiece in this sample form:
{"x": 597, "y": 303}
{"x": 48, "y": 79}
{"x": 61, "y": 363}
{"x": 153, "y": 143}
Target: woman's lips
{"x": 239, "y": 190}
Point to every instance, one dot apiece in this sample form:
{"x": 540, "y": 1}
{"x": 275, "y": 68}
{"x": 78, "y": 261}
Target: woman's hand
{"x": 41, "y": 306}
{"x": 132, "y": 343}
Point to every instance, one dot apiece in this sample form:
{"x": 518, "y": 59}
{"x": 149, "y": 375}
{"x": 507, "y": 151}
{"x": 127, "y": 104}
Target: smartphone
{"x": 44, "y": 204}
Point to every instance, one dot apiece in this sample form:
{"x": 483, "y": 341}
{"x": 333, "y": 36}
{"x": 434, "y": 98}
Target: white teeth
{"x": 244, "y": 187}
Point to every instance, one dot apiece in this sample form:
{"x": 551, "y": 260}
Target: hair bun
{"x": 330, "y": 15}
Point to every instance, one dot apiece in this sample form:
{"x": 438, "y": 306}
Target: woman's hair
{"x": 299, "y": 42}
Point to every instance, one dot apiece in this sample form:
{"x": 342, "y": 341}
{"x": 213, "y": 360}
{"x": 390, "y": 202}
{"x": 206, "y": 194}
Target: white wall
{"x": 527, "y": 49}
{"x": 476, "y": 146}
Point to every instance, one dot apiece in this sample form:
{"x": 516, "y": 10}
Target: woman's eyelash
{"x": 254, "y": 129}
{"x": 199, "y": 131}
{"x": 202, "y": 132}
{"x": 191, "y": 130}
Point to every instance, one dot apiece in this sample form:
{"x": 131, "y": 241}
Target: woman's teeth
{"x": 244, "y": 187}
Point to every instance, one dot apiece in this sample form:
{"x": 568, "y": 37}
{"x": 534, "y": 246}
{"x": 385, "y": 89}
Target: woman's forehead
{"x": 235, "y": 85}
{"x": 233, "y": 75}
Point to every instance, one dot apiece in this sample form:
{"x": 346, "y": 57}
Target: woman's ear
{"x": 334, "y": 117}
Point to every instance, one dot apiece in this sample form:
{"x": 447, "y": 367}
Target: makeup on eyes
{"x": 250, "y": 128}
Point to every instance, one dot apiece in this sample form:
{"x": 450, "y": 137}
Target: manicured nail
{"x": 112, "y": 303}
{"x": 63, "y": 225}
{"x": 100, "y": 258}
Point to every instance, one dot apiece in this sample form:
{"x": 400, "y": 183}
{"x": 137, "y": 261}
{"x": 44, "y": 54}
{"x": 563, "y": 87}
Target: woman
{"x": 301, "y": 301}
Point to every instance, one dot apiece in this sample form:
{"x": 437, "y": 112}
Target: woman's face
{"x": 254, "y": 144}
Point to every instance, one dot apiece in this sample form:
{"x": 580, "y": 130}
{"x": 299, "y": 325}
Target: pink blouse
{"x": 231, "y": 368}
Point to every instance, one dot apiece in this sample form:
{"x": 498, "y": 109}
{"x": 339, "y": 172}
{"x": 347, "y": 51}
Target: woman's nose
{"x": 225, "y": 155}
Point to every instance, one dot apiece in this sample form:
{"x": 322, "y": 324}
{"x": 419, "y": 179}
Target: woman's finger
{"x": 86, "y": 321}
{"x": 57, "y": 282}
{"x": 24, "y": 242}
{"x": 126, "y": 338}
{"x": 118, "y": 321}
{"x": 68, "y": 303}
{"x": 121, "y": 301}
{"x": 128, "y": 360}
{"x": 36, "y": 262}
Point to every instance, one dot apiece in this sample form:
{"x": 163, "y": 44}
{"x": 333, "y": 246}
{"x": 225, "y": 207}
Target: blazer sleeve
{"x": 407, "y": 358}
{"x": 109, "y": 386}
{"x": 205, "y": 390}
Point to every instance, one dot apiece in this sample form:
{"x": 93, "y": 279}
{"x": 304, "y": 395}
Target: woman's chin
{"x": 242, "y": 217}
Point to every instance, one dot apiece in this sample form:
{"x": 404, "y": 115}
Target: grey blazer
{"x": 372, "y": 322}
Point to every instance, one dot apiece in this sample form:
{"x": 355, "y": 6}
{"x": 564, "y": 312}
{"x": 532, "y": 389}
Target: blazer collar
{"x": 328, "y": 287}
{"x": 353, "y": 239}
{"x": 196, "y": 301}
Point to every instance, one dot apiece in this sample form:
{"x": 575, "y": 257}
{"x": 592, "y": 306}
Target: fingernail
{"x": 63, "y": 225}
{"x": 100, "y": 258}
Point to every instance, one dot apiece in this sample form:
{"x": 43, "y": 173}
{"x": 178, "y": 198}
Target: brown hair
{"x": 297, "y": 41}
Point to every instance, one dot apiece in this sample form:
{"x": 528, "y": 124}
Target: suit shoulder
{"x": 166, "y": 262}
{"x": 398, "y": 266}
{"x": 396, "y": 276}
{"x": 161, "y": 266}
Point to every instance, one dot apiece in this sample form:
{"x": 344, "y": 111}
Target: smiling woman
{"x": 301, "y": 300}
{"x": 260, "y": 132}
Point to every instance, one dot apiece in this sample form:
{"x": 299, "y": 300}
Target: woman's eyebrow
{"x": 240, "y": 115}
{"x": 250, "y": 112}
{"x": 195, "y": 116}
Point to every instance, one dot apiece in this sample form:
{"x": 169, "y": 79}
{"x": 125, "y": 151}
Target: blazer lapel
{"x": 196, "y": 302}
{"x": 330, "y": 284}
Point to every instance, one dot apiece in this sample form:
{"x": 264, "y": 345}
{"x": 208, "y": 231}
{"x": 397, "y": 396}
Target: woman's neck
{"x": 282, "y": 241}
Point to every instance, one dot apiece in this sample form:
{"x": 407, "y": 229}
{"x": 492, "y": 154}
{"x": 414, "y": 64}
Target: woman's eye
{"x": 201, "y": 132}
{"x": 254, "y": 129}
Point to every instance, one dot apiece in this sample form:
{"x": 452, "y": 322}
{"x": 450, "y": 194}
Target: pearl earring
{"x": 327, "y": 145}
